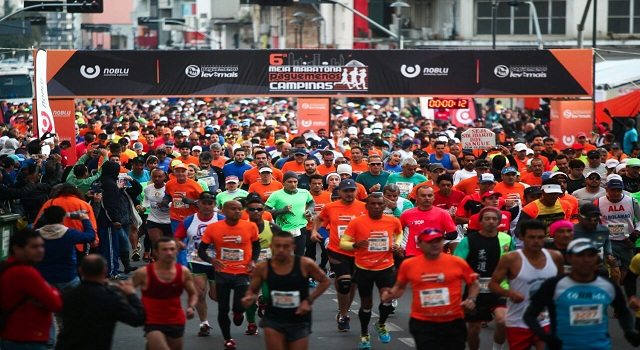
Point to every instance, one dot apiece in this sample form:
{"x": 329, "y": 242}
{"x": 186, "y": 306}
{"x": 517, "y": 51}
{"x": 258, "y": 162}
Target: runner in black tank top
{"x": 284, "y": 281}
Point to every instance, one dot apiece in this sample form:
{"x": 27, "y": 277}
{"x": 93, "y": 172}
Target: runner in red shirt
{"x": 162, "y": 283}
{"x": 447, "y": 198}
{"x": 423, "y": 216}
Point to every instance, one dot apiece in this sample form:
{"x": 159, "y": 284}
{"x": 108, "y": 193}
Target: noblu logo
{"x": 410, "y": 71}
{"x": 90, "y": 72}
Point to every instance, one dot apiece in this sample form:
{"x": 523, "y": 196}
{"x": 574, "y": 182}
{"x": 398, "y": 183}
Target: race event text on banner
{"x": 478, "y": 138}
{"x": 320, "y": 73}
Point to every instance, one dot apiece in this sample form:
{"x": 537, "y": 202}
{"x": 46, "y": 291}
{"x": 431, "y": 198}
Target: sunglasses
{"x": 375, "y": 164}
{"x": 255, "y": 209}
{"x": 206, "y": 201}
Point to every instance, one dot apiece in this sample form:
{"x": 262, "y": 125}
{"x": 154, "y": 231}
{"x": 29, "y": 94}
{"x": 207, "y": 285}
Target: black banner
{"x": 320, "y": 73}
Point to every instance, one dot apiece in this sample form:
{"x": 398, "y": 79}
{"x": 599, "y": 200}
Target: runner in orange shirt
{"x": 251, "y": 176}
{"x": 437, "y": 310}
{"x": 565, "y": 197}
{"x": 237, "y": 249}
{"x": 297, "y": 165}
{"x": 181, "y": 192}
{"x": 266, "y": 185}
{"x": 185, "y": 155}
{"x": 512, "y": 190}
{"x": 373, "y": 238}
{"x": 327, "y": 165}
{"x": 337, "y": 216}
{"x": 534, "y": 176}
{"x": 218, "y": 159}
{"x": 470, "y": 185}
{"x": 358, "y": 163}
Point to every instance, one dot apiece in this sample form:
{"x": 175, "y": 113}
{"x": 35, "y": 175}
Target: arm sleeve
{"x": 129, "y": 310}
{"x": 462, "y": 250}
{"x": 625, "y": 318}
{"x": 202, "y": 251}
{"x": 255, "y": 250}
{"x": 629, "y": 284}
{"x": 541, "y": 299}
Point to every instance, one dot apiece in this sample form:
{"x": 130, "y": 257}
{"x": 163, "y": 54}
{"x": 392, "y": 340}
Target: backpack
{"x": 5, "y": 313}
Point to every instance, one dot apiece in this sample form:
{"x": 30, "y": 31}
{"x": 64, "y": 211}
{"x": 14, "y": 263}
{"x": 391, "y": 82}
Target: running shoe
{"x": 238, "y": 318}
{"x": 331, "y": 274}
{"x": 136, "y": 253}
{"x": 262, "y": 306}
{"x": 118, "y": 277}
{"x": 229, "y": 344}
{"x": 365, "y": 342}
{"x": 205, "y": 330}
{"x": 252, "y": 329}
{"x": 383, "y": 334}
{"x": 343, "y": 324}
{"x": 312, "y": 283}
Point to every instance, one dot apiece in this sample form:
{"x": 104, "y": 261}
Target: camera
{"x": 75, "y": 216}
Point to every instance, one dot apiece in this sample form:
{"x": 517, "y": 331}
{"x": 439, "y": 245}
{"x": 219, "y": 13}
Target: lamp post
{"x": 318, "y": 22}
{"x": 398, "y": 6}
{"x": 494, "y": 20}
{"x": 536, "y": 23}
{"x": 298, "y": 20}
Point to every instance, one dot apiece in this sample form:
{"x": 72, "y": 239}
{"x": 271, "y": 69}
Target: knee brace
{"x": 344, "y": 285}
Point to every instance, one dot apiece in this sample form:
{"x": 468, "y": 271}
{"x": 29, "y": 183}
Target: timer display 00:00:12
{"x": 451, "y": 103}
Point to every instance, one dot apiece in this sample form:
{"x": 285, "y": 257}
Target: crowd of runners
{"x": 231, "y": 203}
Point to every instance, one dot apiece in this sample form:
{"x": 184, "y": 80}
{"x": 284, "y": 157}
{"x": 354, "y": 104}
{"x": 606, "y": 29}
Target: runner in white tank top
{"x": 526, "y": 269}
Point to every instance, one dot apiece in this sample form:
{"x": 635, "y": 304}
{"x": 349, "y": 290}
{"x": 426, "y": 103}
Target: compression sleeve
{"x": 202, "y": 251}
{"x": 255, "y": 250}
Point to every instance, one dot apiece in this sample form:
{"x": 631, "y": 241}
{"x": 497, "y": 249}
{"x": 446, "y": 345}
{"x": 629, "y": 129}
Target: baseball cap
{"x": 231, "y": 178}
{"x": 581, "y": 134}
{"x": 611, "y": 163}
{"x": 508, "y": 170}
{"x": 435, "y": 166}
{"x": 593, "y": 154}
{"x": 138, "y": 145}
{"x": 279, "y": 141}
{"x": 347, "y": 184}
{"x": 633, "y": 162}
{"x": 532, "y": 190}
{"x": 207, "y": 196}
{"x": 430, "y": 234}
{"x": 577, "y": 146}
{"x": 491, "y": 193}
{"x": 589, "y": 209}
{"x": 300, "y": 151}
{"x": 615, "y": 145}
{"x": 196, "y": 148}
{"x": 593, "y": 172}
{"x": 486, "y": 178}
{"x": 265, "y": 169}
{"x": 615, "y": 184}
{"x": 344, "y": 169}
{"x": 180, "y": 165}
{"x": 580, "y": 245}
{"x": 551, "y": 188}
{"x": 613, "y": 176}
{"x": 519, "y": 147}
{"x": 558, "y": 173}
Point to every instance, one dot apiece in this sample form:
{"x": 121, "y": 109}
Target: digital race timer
{"x": 450, "y": 103}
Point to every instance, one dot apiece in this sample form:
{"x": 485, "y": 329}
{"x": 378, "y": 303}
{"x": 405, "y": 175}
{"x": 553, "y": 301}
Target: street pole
{"x": 536, "y": 24}
{"x": 581, "y": 24}
{"x": 494, "y": 20}
{"x": 595, "y": 23}
{"x": 35, "y": 7}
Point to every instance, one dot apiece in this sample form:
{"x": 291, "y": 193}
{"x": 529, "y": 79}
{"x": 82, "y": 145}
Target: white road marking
{"x": 408, "y": 342}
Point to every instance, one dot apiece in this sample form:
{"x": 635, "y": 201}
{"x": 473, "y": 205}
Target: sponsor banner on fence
{"x": 64, "y": 117}
{"x": 568, "y": 118}
{"x": 320, "y": 73}
{"x": 313, "y": 114}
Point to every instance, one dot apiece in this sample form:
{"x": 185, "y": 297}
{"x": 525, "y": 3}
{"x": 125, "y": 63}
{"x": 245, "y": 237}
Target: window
{"x": 516, "y": 20}
{"x": 624, "y": 16}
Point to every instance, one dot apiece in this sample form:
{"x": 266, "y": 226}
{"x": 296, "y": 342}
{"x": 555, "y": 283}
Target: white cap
{"x": 558, "y": 173}
{"x": 164, "y": 119}
{"x": 551, "y": 188}
{"x": 620, "y": 167}
{"x": 344, "y": 169}
{"x": 611, "y": 163}
{"x": 519, "y": 147}
{"x": 367, "y": 131}
{"x": 196, "y": 148}
{"x": 614, "y": 177}
{"x": 486, "y": 177}
{"x": 134, "y": 135}
{"x": 442, "y": 138}
{"x": 352, "y": 130}
{"x": 408, "y": 132}
{"x": 593, "y": 172}
{"x": 529, "y": 151}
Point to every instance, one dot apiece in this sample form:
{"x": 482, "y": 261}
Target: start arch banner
{"x": 321, "y": 73}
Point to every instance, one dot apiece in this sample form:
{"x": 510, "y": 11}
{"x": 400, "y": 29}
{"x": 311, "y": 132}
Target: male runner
{"x": 578, "y": 304}
{"x": 192, "y": 229}
{"x": 437, "y": 310}
{"x": 237, "y": 249}
{"x": 287, "y": 319}
{"x": 526, "y": 269}
{"x": 482, "y": 250}
{"x": 162, "y": 283}
{"x": 373, "y": 238}
{"x": 337, "y": 215}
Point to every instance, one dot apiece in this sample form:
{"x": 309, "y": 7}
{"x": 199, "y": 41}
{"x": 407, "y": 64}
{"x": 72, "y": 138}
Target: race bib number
{"x": 452, "y": 210}
{"x": 232, "y": 254}
{"x": 178, "y": 203}
{"x": 378, "y": 244}
{"x": 341, "y": 230}
{"x": 285, "y": 300}
{"x": 264, "y": 254}
{"x": 617, "y": 229}
{"x": 209, "y": 180}
{"x": 484, "y": 284}
{"x": 434, "y": 297}
{"x": 405, "y": 187}
{"x": 585, "y": 315}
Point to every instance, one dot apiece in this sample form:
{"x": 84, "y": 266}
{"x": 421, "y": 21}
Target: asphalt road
{"x": 325, "y": 335}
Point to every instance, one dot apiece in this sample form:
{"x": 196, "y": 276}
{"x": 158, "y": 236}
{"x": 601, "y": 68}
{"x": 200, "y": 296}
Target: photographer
{"x": 80, "y": 176}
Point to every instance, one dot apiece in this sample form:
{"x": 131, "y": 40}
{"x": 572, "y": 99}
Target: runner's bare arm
{"x": 501, "y": 272}
{"x": 315, "y": 224}
{"x": 190, "y": 286}
{"x": 139, "y": 278}
{"x": 313, "y": 270}
{"x": 257, "y": 277}
{"x": 558, "y": 260}
{"x": 395, "y": 292}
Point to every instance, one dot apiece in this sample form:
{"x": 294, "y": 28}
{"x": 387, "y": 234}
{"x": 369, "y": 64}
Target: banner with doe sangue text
{"x": 561, "y": 73}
